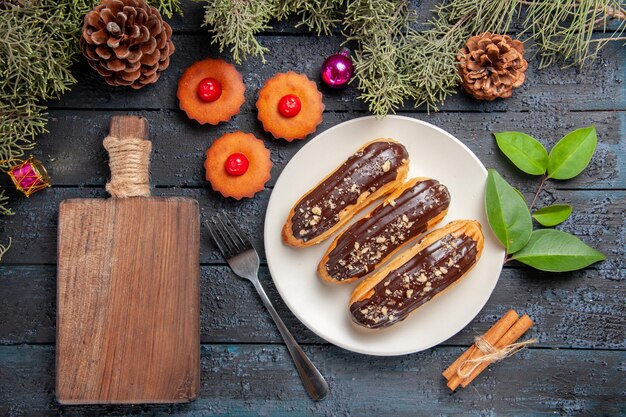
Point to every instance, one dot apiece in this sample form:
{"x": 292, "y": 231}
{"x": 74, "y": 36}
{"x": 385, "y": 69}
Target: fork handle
{"x": 313, "y": 381}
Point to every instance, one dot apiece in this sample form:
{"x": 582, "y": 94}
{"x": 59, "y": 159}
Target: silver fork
{"x": 244, "y": 261}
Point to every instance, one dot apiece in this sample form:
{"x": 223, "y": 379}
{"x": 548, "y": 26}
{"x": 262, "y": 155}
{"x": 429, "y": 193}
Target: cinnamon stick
{"x": 511, "y": 336}
{"x": 492, "y": 335}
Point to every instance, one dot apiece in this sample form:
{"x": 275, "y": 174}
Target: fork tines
{"x": 228, "y": 237}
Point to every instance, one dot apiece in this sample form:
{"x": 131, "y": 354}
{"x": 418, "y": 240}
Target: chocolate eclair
{"x": 409, "y": 211}
{"x": 372, "y": 172}
{"x": 424, "y": 271}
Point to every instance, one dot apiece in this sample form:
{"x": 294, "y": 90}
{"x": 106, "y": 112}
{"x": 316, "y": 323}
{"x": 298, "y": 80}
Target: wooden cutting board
{"x": 128, "y": 295}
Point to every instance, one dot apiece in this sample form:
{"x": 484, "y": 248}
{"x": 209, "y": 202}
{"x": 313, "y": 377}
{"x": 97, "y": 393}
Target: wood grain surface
{"x": 128, "y": 296}
{"x": 576, "y": 369}
{"x": 258, "y": 380}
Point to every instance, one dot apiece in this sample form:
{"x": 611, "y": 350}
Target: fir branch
{"x": 378, "y": 27}
{"x": 368, "y": 18}
{"x": 379, "y": 75}
{"x": 20, "y": 122}
{"x": 35, "y": 53}
{"x": 167, "y": 8}
{"x": 615, "y": 12}
{"x": 36, "y": 50}
{"x": 4, "y": 200}
{"x": 563, "y": 30}
{"x": 407, "y": 64}
{"x": 319, "y": 16}
{"x": 234, "y": 24}
{"x": 38, "y": 42}
{"x": 4, "y": 248}
{"x": 75, "y": 10}
{"x": 430, "y": 54}
{"x": 475, "y": 16}
{"x": 430, "y": 64}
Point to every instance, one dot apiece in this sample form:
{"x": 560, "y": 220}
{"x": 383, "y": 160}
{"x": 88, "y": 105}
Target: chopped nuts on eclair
{"x": 373, "y": 171}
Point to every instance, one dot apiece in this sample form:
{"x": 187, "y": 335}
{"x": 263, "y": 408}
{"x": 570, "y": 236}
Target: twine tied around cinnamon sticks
{"x": 491, "y": 354}
{"x": 498, "y": 343}
{"x": 129, "y": 161}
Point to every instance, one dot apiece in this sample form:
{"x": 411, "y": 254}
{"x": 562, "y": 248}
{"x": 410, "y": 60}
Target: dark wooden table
{"x": 577, "y": 368}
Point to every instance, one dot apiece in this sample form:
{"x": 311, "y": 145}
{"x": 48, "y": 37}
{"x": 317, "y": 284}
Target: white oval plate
{"x": 323, "y": 307}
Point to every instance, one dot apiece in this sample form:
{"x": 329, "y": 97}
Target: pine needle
{"x": 378, "y": 27}
{"x": 563, "y": 30}
{"x": 167, "y": 8}
{"x": 406, "y": 64}
{"x": 35, "y": 53}
{"x": 3, "y": 204}
{"x": 4, "y": 248}
{"x": 20, "y": 122}
{"x": 235, "y": 23}
{"x": 319, "y": 16}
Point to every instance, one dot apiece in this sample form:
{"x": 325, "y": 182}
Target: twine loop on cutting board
{"x": 129, "y": 161}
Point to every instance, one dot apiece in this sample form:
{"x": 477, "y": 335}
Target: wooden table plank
{"x": 73, "y": 152}
{"x": 584, "y": 309}
{"x": 598, "y": 219}
{"x": 256, "y": 379}
{"x": 602, "y": 86}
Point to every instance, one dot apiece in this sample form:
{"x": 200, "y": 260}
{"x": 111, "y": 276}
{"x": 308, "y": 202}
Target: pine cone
{"x": 127, "y": 42}
{"x": 491, "y": 66}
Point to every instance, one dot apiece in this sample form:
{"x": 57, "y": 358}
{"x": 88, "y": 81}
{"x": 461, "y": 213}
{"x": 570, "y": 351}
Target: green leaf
{"x": 555, "y": 251}
{"x": 507, "y": 212}
{"x": 572, "y": 153}
{"x": 553, "y": 215}
{"x": 520, "y": 193}
{"x": 526, "y": 152}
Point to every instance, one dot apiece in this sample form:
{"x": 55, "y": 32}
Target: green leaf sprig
{"x": 511, "y": 219}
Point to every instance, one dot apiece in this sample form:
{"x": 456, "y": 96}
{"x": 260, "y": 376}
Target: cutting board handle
{"x": 129, "y": 157}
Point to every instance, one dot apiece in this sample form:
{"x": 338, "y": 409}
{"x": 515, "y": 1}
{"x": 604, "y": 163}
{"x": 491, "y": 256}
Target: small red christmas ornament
{"x": 29, "y": 176}
{"x": 289, "y": 105}
{"x": 236, "y": 164}
{"x": 209, "y": 89}
{"x": 338, "y": 69}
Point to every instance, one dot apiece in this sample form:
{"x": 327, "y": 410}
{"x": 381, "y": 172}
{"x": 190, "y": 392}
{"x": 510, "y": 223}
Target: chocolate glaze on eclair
{"x": 437, "y": 262}
{"x": 373, "y": 171}
{"x": 410, "y": 210}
